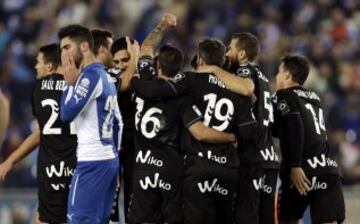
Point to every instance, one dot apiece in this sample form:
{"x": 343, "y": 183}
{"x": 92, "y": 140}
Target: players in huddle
{"x": 190, "y": 147}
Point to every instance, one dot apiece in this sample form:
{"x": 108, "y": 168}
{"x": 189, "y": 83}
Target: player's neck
{"x": 87, "y": 60}
{"x": 291, "y": 85}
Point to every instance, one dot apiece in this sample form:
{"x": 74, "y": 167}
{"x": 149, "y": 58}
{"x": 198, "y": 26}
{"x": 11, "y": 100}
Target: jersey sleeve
{"x": 244, "y": 72}
{"x": 190, "y": 112}
{"x": 146, "y": 68}
{"x": 289, "y": 118}
{"x": 76, "y": 98}
{"x": 246, "y": 122}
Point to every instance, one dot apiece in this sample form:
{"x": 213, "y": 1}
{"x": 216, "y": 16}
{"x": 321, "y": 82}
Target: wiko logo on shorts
{"x": 269, "y": 155}
{"x": 210, "y": 156}
{"x": 315, "y": 162}
{"x": 148, "y": 159}
{"x": 315, "y": 185}
{"x": 259, "y": 184}
{"x": 213, "y": 187}
{"x": 62, "y": 172}
{"x": 155, "y": 183}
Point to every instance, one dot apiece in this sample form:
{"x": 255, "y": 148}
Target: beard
{"x": 231, "y": 65}
{"x": 78, "y": 57}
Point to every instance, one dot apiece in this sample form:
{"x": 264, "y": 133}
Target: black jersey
{"x": 261, "y": 152}
{"x": 58, "y": 142}
{"x": 127, "y": 109}
{"x": 300, "y": 125}
{"x": 221, "y": 109}
{"x": 158, "y": 126}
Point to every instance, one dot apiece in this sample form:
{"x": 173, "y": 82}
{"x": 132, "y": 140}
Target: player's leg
{"x": 199, "y": 204}
{"x": 128, "y": 158}
{"x": 291, "y": 205}
{"x": 110, "y": 190}
{"x": 248, "y": 194}
{"x": 172, "y": 204}
{"x": 52, "y": 202}
{"x": 267, "y": 198}
{"x": 86, "y": 202}
{"x": 226, "y": 194}
{"x": 327, "y": 201}
{"x": 145, "y": 202}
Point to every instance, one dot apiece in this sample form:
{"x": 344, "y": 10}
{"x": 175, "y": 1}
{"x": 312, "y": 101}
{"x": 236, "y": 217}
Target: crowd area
{"x": 326, "y": 31}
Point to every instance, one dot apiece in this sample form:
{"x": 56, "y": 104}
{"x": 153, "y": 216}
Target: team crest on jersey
{"x": 178, "y": 77}
{"x": 283, "y": 107}
{"x": 85, "y": 83}
{"x": 243, "y": 72}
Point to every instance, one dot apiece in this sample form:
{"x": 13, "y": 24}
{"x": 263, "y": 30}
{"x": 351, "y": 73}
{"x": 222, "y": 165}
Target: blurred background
{"x": 326, "y": 31}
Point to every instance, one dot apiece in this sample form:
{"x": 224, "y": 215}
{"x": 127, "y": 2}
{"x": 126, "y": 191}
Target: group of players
{"x": 194, "y": 147}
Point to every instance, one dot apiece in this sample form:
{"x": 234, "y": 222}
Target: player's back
{"x": 318, "y": 157}
{"x": 261, "y": 152}
{"x": 158, "y": 126}
{"x": 57, "y": 140}
{"x": 222, "y": 110}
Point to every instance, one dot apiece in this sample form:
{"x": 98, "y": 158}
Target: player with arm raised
{"x": 90, "y": 100}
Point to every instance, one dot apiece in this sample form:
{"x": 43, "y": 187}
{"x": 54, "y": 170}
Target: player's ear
{"x": 241, "y": 54}
{"x": 49, "y": 67}
{"x": 84, "y": 46}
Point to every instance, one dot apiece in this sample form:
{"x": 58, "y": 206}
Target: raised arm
{"x": 239, "y": 85}
{"x": 4, "y": 115}
{"x": 156, "y": 35}
{"x": 74, "y": 99}
{"x": 24, "y": 149}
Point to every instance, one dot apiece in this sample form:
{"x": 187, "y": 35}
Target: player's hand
{"x": 5, "y": 167}
{"x": 71, "y": 73}
{"x": 169, "y": 19}
{"x": 134, "y": 51}
{"x": 300, "y": 181}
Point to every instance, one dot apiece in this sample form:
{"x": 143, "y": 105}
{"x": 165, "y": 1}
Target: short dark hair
{"x": 78, "y": 34}
{"x": 170, "y": 59}
{"x": 51, "y": 54}
{"x": 298, "y": 66}
{"x": 212, "y": 51}
{"x": 247, "y": 42}
{"x": 101, "y": 39}
{"x": 119, "y": 44}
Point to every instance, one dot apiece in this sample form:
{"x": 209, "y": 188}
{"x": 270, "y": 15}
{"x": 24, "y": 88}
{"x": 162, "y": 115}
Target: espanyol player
{"x": 90, "y": 100}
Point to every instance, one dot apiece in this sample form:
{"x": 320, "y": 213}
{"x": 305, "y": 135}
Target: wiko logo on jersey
{"x": 323, "y": 162}
{"x": 213, "y": 187}
{"x": 316, "y": 185}
{"x": 57, "y": 187}
{"x": 259, "y": 184}
{"x": 210, "y": 156}
{"x": 155, "y": 183}
{"x": 62, "y": 172}
{"x": 269, "y": 155}
{"x": 148, "y": 159}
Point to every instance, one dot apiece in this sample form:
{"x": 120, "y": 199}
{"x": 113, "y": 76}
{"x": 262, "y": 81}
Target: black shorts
{"x": 52, "y": 202}
{"x": 326, "y": 200}
{"x": 256, "y": 195}
{"x": 209, "y": 192}
{"x": 156, "y": 198}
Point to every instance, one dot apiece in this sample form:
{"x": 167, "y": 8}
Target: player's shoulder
{"x": 246, "y": 70}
